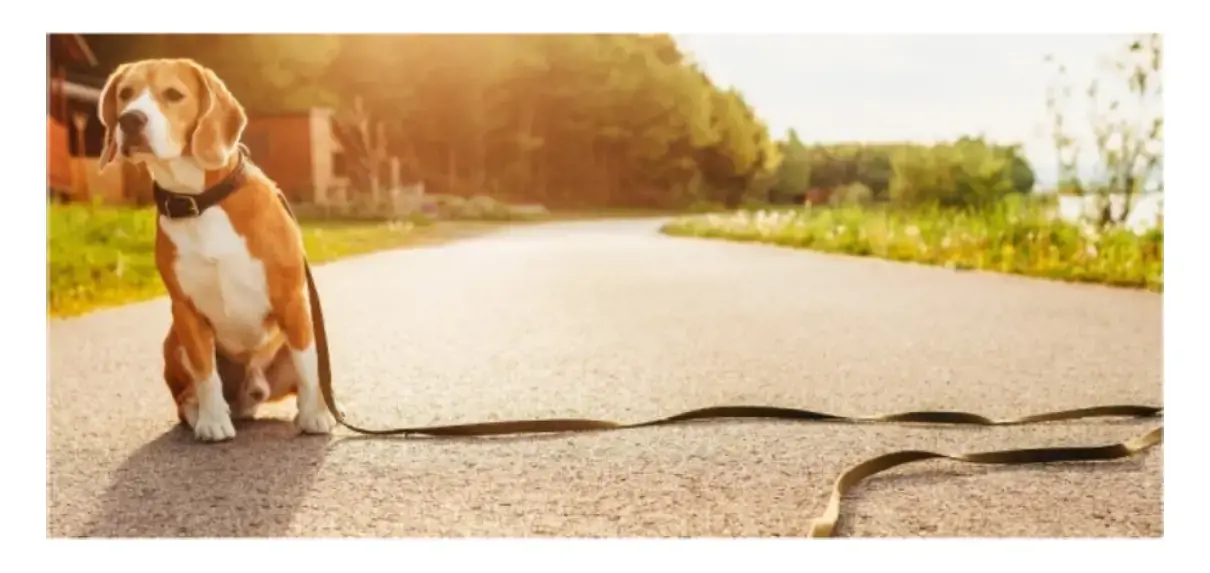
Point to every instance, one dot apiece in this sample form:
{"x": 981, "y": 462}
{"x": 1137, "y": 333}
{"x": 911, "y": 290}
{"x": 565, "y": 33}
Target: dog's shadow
{"x": 175, "y": 486}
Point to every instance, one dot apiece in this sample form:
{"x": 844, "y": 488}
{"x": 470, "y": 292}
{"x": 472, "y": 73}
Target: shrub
{"x": 448, "y": 206}
{"x": 967, "y": 171}
{"x": 852, "y": 194}
{"x": 964, "y": 173}
{"x": 482, "y": 207}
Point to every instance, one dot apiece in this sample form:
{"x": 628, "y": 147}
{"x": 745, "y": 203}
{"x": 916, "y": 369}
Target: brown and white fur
{"x": 234, "y": 274}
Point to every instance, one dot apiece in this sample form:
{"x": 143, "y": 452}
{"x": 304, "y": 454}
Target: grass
{"x": 1008, "y": 238}
{"x": 104, "y": 256}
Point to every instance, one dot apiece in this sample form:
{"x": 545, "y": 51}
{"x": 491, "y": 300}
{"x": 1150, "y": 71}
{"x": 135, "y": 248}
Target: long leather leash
{"x": 824, "y": 525}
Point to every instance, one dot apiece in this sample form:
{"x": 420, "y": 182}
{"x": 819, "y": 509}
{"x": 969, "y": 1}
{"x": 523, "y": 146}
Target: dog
{"x": 228, "y": 251}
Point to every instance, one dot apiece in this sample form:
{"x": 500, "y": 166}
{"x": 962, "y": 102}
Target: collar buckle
{"x": 188, "y": 206}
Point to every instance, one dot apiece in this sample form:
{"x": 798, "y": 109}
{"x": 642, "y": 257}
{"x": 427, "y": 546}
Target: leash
{"x": 825, "y": 524}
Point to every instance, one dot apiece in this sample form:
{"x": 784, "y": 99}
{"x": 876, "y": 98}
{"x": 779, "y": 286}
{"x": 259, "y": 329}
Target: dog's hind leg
{"x": 281, "y": 376}
{"x": 233, "y": 376}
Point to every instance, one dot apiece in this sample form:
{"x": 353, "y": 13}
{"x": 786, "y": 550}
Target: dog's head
{"x": 163, "y": 109}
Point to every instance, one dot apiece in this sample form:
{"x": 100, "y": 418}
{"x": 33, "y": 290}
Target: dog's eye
{"x": 125, "y": 93}
{"x": 173, "y": 95}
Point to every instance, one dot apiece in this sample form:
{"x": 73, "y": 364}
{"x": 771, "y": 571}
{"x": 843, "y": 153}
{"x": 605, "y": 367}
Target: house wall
{"x": 281, "y": 147}
{"x": 295, "y": 150}
{"x": 73, "y": 89}
{"x": 94, "y": 132}
{"x": 323, "y": 146}
{"x": 120, "y": 183}
{"x": 137, "y": 185}
{"x": 58, "y": 159}
{"x": 108, "y": 185}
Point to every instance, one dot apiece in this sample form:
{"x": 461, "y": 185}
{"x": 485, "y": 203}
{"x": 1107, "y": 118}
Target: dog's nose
{"x": 132, "y": 121}
{"x": 257, "y": 395}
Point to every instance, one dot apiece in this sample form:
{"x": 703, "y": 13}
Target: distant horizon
{"x": 1046, "y": 172}
{"x": 910, "y": 87}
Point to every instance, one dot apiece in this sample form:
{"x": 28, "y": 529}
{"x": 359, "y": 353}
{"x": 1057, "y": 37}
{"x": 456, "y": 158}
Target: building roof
{"x": 81, "y": 92}
{"x": 74, "y": 48}
{"x": 84, "y": 79}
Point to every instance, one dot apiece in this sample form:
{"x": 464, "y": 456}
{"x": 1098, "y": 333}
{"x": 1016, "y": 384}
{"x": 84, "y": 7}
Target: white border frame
{"x": 1186, "y": 98}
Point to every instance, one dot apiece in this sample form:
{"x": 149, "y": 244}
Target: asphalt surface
{"x": 612, "y": 320}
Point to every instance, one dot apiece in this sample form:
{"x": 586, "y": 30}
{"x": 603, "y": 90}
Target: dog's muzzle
{"x": 132, "y": 124}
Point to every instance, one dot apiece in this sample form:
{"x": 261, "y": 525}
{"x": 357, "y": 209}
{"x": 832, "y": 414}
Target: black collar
{"x": 184, "y": 205}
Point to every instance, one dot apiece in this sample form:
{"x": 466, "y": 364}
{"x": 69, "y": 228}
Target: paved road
{"x": 612, "y": 320}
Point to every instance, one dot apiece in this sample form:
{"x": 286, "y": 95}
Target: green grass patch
{"x": 1011, "y": 237}
{"x": 103, "y": 256}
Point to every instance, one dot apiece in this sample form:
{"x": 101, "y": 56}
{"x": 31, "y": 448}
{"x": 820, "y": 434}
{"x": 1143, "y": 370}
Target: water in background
{"x": 1145, "y": 211}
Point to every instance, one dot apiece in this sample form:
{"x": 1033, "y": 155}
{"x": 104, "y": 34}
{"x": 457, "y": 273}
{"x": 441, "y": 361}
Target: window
{"x": 339, "y": 168}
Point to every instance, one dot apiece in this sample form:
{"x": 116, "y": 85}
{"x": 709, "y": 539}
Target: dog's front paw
{"x": 315, "y": 420}
{"x": 214, "y": 426}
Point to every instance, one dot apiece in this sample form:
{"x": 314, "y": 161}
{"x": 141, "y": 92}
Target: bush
{"x": 1013, "y": 235}
{"x": 448, "y": 206}
{"x": 705, "y": 206}
{"x": 424, "y": 210}
{"x": 851, "y": 194}
{"x": 360, "y": 209}
{"x": 481, "y": 208}
{"x": 964, "y": 173}
{"x": 967, "y": 171}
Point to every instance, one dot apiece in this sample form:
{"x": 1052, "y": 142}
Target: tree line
{"x": 612, "y": 120}
{"x": 969, "y": 171}
{"x": 567, "y": 120}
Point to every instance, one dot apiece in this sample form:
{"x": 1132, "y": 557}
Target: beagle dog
{"x": 228, "y": 251}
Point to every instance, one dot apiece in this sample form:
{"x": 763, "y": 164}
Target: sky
{"x": 907, "y": 87}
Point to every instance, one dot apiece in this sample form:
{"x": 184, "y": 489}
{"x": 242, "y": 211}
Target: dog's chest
{"x": 226, "y": 283}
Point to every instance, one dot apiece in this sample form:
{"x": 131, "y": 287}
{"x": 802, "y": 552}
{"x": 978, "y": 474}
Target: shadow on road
{"x": 176, "y": 487}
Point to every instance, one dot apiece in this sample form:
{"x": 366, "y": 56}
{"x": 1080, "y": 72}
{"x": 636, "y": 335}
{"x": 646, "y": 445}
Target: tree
{"x": 565, "y": 119}
{"x": 268, "y": 73}
{"x": 794, "y": 174}
{"x": 1128, "y": 138}
{"x": 968, "y": 172}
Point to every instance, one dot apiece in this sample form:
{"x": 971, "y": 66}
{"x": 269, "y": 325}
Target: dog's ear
{"x": 221, "y": 121}
{"x": 107, "y": 110}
